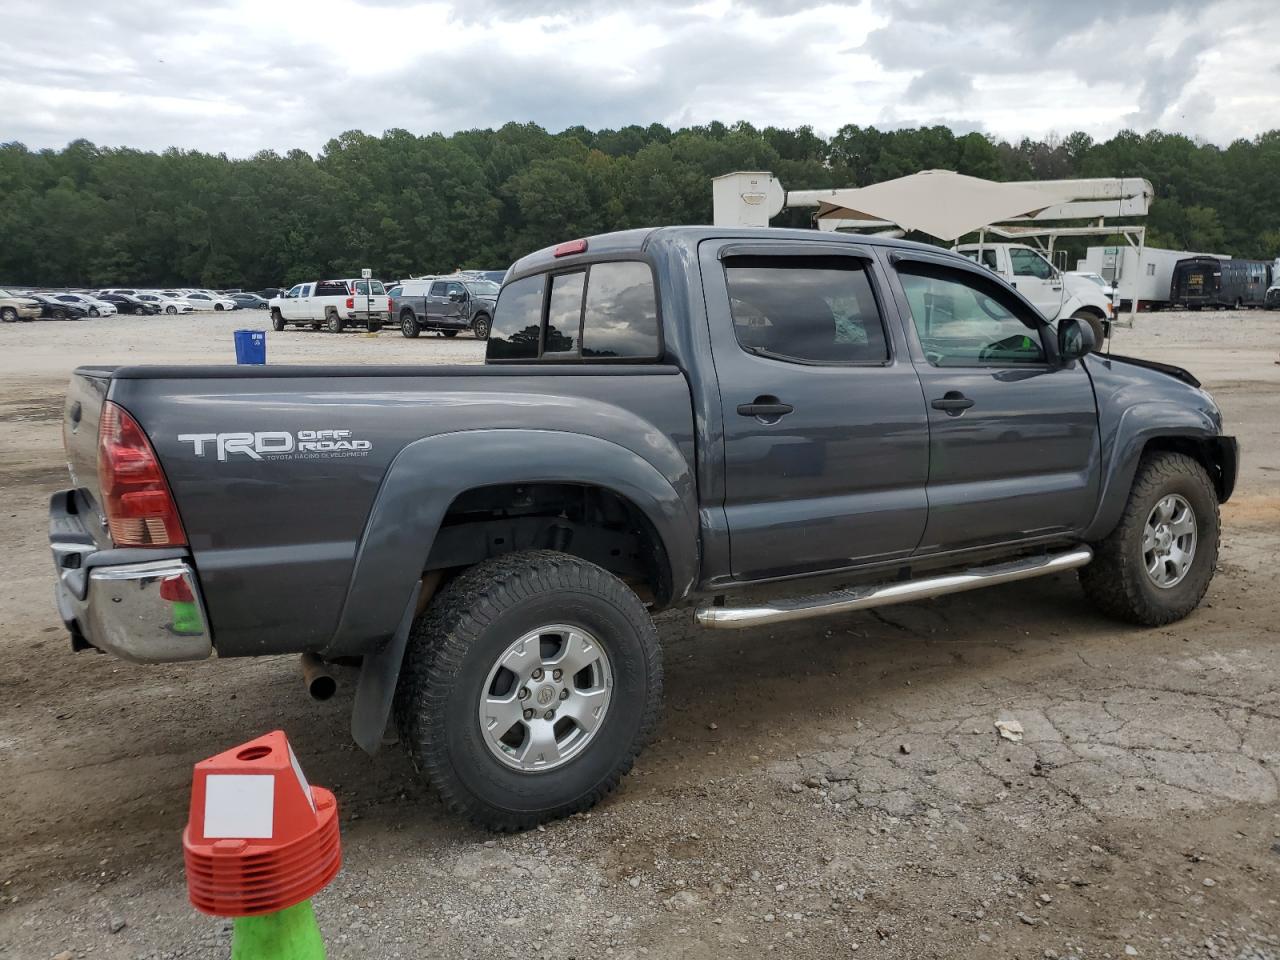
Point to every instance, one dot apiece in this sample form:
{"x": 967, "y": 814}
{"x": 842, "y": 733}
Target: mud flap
{"x": 376, "y": 687}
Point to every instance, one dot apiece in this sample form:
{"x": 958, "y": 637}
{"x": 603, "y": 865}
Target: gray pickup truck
{"x": 446, "y": 304}
{"x": 665, "y": 417}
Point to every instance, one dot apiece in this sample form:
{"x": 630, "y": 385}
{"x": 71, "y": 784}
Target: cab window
{"x": 964, "y": 320}
{"x": 517, "y": 320}
{"x": 1028, "y": 263}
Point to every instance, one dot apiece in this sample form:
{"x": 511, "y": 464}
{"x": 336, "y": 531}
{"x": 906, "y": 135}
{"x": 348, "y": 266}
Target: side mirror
{"x": 457, "y": 297}
{"x": 1075, "y": 338}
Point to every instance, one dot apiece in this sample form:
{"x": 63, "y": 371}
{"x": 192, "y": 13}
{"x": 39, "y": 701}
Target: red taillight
{"x": 570, "y": 248}
{"x": 390, "y": 307}
{"x": 351, "y": 303}
{"x": 175, "y": 590}
{"x": 135, "y": 496}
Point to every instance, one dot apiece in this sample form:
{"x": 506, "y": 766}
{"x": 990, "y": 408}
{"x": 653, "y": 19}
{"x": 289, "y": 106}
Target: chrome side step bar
{"x": 864, "y": 598}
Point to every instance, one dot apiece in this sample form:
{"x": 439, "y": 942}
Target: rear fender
{"x": 429, "y": 474}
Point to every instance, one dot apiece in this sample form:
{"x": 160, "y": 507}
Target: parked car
{"x": 204, "y": 301}
{"x": 1056, "y": 294}
{"x": 124, "y": 303}
{"x": 336, "y": 304}
{"x": 51, "y": 308}
{"x": 164, "y": 303}
{"x": 15, "y": 307}
{"x": 446, "y": 304}
{"x": 95, "y": 306}
{"x": 123, "y": 290}
{"x": 490, "y": 542}
{"x": 248, "y": 301}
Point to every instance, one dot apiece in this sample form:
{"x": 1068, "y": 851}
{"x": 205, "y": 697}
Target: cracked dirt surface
{"x": 832, "y": 788}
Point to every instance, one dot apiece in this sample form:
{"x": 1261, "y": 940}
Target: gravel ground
{"x": 835, "y": 788}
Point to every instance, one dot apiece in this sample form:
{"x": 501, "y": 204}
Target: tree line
{"x": 402, "y": 203}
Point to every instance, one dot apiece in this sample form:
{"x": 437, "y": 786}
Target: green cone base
{"x": 291, "y": 934}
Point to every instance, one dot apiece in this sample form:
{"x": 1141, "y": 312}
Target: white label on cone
{"x": 302, "y": 777}
{"x": 239, "y": 806}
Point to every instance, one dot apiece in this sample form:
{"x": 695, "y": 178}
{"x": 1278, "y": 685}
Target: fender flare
{"x": 429, "y": 474}
{"x": 1122, "y": 450}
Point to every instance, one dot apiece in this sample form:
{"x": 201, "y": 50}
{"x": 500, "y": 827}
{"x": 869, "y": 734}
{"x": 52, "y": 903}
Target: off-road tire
{"x": 480, "y": 327}
{"x": 332, "y": 322}
{"x": 277, "y": 320}
{"x": 1117, "y": 582}
{"x": 409, "y": 325}
{"x": 449, "y": 333}
{"x": 455, "y": 643}
{"x": 8, "y": 315}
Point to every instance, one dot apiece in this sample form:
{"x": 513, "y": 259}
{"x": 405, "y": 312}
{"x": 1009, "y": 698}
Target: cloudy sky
{"x": 243, "y": 75}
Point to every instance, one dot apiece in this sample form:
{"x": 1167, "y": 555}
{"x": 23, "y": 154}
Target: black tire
{"x": 93, "y": 311}
{"x": 457, "y": 641}
{"x": 480, "y": 327}
{"x": 8, "y": 315}
{"x": 1091, "y": 318}
{"x": 277, "y": 321}
{"x": 333, "y": 323}
{"x": 218, "y": 307}
{"x": 59, "y": 314}
{"x": 449, "y": 333}
{"x": 171, "y": 309}
{"x": 1117, "y": 579}
{"x": 139, "y": 311}
{"x": 409, "y": 324}
{"x": 375, "y": 326}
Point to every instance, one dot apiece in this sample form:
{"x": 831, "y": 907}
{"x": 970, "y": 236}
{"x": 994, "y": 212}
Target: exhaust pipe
{"x": 319, "y": 681}
{"x": 865, "y": 598}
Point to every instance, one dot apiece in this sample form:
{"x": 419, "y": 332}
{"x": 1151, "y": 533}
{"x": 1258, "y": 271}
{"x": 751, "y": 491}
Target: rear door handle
{"x": 764, "y": 406}
{"x": 953, "y": 402}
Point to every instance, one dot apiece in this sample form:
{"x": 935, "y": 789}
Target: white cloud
{"x": 241, "y": 75}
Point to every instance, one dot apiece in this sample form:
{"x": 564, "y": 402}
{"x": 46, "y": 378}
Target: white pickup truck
{"x": 1054, "y": 293}
{"x": 335, "y": 304}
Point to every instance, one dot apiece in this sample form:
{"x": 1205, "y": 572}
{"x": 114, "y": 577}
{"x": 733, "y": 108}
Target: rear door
{"x": 455, "y": 304}
{"x": 436, "y": 302}
{"x": 1014, "y": 451}
{"x": 826, "y": 440}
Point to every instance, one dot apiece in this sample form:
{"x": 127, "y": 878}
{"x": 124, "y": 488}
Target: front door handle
{"x": 953, "y": 402}
{"x": 765, "y": 407}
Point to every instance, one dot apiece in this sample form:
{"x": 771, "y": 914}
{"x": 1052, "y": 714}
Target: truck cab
{"x": 1054, "y": 293}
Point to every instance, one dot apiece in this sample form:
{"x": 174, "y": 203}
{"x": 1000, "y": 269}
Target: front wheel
{"x": 93, "y": 311}
{"x": 480, "y": 327}
{"x": 277, "y": 321}
{"x": 170, "y": 310}
{"x": 529, "y": 686}
{"x": 218, "y": 306}
{"x": 1156, "y": 565}
{"x": 139, "y": 311}
{"x": 1099, "y": 328}
{"x": 8, "y": 315}
{"x": 59, "y": 314}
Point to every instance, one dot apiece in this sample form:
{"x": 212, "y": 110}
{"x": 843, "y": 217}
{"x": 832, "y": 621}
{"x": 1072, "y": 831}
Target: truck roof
{"x": 640, "y": 240}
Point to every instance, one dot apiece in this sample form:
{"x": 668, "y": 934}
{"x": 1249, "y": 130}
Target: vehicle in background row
{"x": 337, "y": 304}
{"x": 489, "y": 542}
{"x": 1100, "y": 281}
{"x": 95, "y": 306}
{"x": 446, "y": 304}
{"x": 266, "y": 293}
{"x": 51, "y": 308}
{"x": 205, "y": 301}
{"x": 1210, "y": 282}
{"x": 15, "y": 307}
{"x": 248, "y": 301}
{"x": 493, "y": 276}
{"x": 1056, "y": 295}
{"x": 124, "y": 290}
{"x": 128, "y": 304}
{"x": 1144, "y": 280}
{"x": 165, "y": 303}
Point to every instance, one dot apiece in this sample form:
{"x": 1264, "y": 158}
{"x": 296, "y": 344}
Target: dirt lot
{"x": 835, "y": 788}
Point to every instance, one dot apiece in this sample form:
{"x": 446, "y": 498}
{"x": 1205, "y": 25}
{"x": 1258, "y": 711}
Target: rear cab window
{"x": 603, "y": 312}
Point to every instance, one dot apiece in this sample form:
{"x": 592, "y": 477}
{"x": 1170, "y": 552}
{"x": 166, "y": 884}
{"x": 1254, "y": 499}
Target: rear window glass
{"x": 331, "y": 288}
{"x": 564, "y": 314}
{"x": 362, "y": 286}
{"x": 517, "y": 320}
{"x": 621, "y": 318}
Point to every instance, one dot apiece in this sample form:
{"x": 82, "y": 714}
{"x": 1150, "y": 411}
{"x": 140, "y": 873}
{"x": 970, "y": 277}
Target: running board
{"x": 864, "y": 598}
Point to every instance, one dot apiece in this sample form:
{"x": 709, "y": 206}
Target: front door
{"x": 1014, "y": 450}
{"x": 1035, "y": 278}
{"x": 826, "y": 440}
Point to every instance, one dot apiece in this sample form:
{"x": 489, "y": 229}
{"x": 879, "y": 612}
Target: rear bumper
{"x": 361, "y": 316}
{"x": 116, "y": 600}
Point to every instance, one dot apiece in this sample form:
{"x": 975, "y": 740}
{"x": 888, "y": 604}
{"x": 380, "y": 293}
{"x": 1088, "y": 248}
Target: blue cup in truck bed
{"x": 251, "y": 346}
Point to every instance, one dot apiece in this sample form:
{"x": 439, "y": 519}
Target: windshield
{"x": 482, "y": 288}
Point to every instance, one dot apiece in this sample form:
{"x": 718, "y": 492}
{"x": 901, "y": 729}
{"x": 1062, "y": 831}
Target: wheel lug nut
{"x": 557, "y": 674}
{"x": 564, "y": 694}
{"x": 549, "y": 715}
{"x": 528, "y": 714}
{"x": 537, "y": 674}
{"x": 524, "y": 693}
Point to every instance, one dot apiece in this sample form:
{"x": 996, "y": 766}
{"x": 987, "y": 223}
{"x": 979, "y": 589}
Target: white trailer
{"x": 1142, "y": 277}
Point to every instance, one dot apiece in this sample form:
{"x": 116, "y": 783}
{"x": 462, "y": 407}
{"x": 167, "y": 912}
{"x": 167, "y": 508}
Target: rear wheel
{"x": 1156, "y": 565}
{"x": 333, "y": 323}
{"x": 277, "y": 320}
{"x": 529, "y": 687}
{"x": 8, "y": 315}
{"x": 409, "y": 324}
{"x": 480, "y": 327}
